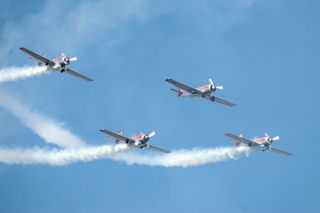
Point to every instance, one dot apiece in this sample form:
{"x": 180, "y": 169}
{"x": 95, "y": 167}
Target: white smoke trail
{"x": 46, "y": 128}
{"x": 16, "y": 73}
{"x": 181, "y": 158}
{"x": 59, "y": 157}
{"x": 185, "y": 158}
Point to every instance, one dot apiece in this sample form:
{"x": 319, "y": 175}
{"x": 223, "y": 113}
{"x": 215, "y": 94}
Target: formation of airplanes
{"x": 142, "y": 140}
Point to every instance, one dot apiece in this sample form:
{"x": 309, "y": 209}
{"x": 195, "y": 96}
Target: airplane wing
{"x": 221, "y": 101}
{"x": 185, "y": 87}
{"x": 157, "y": 149}
{"x": 242, "y": 140}
{"x": 117, "y": 136}
{"x": 38, "y": 57}
{"x": 77, "y": 74}
{"x": 279, "y": 151}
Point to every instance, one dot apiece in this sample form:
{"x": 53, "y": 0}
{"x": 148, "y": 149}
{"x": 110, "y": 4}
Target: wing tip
{"x": 21, "y": 48}
{"x": 168, "y": 79}
{"x": 101, "y": 130}
{"x": 226, "y": 133}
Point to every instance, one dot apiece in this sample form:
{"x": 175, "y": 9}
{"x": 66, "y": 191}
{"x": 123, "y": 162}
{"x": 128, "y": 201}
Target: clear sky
{"x": 264, "y": 53}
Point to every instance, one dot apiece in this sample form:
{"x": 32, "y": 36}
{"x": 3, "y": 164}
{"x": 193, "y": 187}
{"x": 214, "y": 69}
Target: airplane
{"x": 204, "y": 91}
{"x": 55, "y": 63}
{"x": 257, "y": 143}
{"x": 139, "y": 141}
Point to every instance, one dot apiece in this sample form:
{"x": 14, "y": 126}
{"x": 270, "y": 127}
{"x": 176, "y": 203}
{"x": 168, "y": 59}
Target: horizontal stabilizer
{"x": 174, "y": 90}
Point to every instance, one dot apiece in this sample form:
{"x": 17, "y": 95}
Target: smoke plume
{"x": 48, "y": 129}
{"x": 16, "y": 73}
{"x": 179, "y": 158}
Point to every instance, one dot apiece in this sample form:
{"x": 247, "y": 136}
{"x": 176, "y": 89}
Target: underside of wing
{"x": 221, "y": 101}
{"x": 77, "y": 74}
{"x": 117, "y": 136}
{"x": 186, "y": 88}
{"x": 157, "y": 149}
{"x": 242, "y": 140}
{"x": 38, "y": 57}
{"x": 279, "y": 151}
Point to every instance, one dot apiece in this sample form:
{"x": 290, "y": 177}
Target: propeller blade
{"x": 73, "y": 59}
{"x": 267, "y": 135}
{"x": 211, "y": 82}
{"x": 63, "y": 55}
{"x": 276, "y": 138}
{"x": 219, "y": 87}
{"x": 152, "y": 134}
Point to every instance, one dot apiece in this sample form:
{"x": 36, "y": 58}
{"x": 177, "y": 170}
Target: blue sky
{"x": 265, "y": 54}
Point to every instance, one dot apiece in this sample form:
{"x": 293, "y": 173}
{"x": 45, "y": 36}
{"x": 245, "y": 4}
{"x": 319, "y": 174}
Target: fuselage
{"x": 60, "y": 64}
{"x": 140, "y": 140}
{"x": 263, "y": 142}
{"x": 205, "y": 89}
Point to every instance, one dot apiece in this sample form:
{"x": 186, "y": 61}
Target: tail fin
{"x": 38, "y": 62}
{"x": 120, "y": 133}
{"x": 238, "y": 142}
{"x": 116, "y": 140}
{"x": 177, "y": 91}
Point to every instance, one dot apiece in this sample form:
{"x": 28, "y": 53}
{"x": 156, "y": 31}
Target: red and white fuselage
{"x": 256, "y": 143}
{"x": 140, "y": 140}
{"x": 60, "y": 64}
{"x": 264, "y": 142}
{"x": 207, "y": 89}
{"x": 55, "y": 64}
{"x": 204, "y": 91}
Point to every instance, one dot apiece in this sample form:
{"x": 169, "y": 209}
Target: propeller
{"x": 151, "y": 134}
{"x": 213, "y": 87}
{"x": 68, "y": 59}
{"x": 147, "y": 137}
{"x": 272, "y": 139}
{"x": 63, "y": 55}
